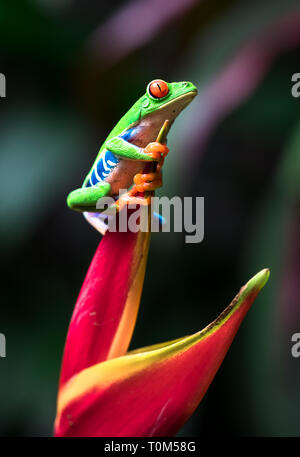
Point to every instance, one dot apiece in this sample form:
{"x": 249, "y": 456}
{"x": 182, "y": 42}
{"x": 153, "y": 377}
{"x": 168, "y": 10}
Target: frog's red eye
{"x": 158, "y": 88}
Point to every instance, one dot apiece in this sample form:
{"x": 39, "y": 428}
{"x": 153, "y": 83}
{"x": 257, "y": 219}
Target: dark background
{"x": 73, "y": 68}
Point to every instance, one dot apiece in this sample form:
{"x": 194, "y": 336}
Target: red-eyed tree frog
{"x": 122, "y": 157}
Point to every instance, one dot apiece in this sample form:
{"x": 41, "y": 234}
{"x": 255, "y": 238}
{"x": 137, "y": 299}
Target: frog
{"x": 132, "y": 143}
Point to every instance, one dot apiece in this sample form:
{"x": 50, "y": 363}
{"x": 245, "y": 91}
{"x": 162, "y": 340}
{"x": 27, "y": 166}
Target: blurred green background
{"x": 73, "y": 68}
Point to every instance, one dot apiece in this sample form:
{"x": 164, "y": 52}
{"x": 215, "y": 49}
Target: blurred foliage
{"x": 237, "y": 145}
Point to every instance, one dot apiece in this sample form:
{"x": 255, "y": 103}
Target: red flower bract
{"x": 105, "y": 313}
{"x": 105, "y": 391}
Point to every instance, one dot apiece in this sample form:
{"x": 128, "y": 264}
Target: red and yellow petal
{"x": 105, "y": 313}
{"x": 152, "y": 391}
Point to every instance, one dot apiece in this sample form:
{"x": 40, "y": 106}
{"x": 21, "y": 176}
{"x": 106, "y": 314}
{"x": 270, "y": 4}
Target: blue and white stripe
{"x": 103, "y": 167}
{"x": 106, "y": 162}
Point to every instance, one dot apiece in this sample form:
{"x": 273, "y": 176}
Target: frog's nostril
{"x": 185, "y": 83}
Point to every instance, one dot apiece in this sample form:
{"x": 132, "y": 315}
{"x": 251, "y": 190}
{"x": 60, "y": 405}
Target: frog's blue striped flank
{"x": 107, "y": 161}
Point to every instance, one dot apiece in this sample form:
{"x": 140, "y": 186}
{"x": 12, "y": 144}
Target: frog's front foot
{"x": 148, "y": 181}
{"x": 156, "y": 150}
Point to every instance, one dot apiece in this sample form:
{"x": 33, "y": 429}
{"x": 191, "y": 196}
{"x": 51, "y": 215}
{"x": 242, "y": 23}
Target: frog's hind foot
{"x": 145, "y": 182}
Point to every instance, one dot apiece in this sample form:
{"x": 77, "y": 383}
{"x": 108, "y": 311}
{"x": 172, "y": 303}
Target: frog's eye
{"x": 158, "y": 88}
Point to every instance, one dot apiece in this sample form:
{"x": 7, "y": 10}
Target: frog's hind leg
{"x": 86, "y": 198}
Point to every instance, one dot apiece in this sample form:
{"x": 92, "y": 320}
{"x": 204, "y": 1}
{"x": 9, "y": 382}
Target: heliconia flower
{"x": 107, "y": 391}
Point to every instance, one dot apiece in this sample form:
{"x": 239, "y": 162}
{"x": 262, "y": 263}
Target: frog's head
{"x": 162, "y": 101}
{"x": 166, "y": 99}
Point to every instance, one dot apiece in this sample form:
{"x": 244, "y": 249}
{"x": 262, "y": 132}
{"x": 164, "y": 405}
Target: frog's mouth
{"x": 150, "y": 125}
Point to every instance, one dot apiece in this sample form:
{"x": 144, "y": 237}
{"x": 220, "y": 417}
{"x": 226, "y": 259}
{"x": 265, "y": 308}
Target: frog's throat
{"x": 149, "y": 125}
{"x": 173, "y": 107}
